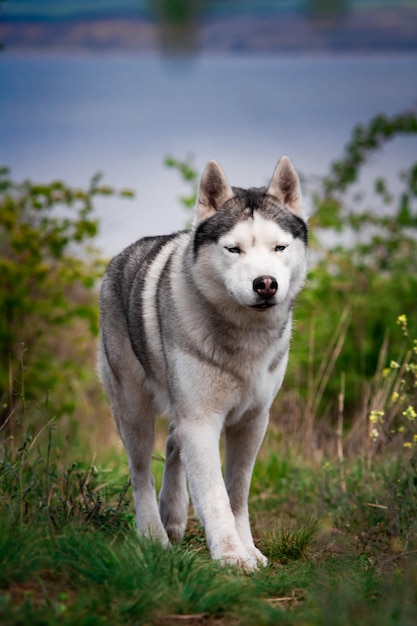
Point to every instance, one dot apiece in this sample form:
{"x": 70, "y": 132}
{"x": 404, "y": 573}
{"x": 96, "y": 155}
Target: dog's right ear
{"x": 285, "y": 186}
{"x": 213, "y": 192}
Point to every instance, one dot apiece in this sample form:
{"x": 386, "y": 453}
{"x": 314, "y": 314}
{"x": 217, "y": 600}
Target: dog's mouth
{"x": 263, "y": 306}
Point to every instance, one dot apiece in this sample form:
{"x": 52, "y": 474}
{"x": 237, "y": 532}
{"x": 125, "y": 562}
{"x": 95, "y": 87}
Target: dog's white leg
{"x": 199, "y": 444}
{"x": 139, "y": 449}
{"x": 134, "y": 416}
{"x": 173, "y": 499}
{"x": 242, "y": 444}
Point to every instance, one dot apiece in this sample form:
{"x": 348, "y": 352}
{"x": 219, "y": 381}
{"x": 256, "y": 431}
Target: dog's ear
{"x": 285, "y": 186}
{"x": 213, "y": 192}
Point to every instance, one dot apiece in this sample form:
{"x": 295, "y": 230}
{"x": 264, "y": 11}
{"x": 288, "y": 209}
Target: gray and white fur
{"x": 197, "y": 325}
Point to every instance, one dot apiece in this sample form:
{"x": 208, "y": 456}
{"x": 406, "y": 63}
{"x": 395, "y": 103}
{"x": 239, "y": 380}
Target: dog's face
{"x": 260, "y": 264}
{"x": 251, "y": 245}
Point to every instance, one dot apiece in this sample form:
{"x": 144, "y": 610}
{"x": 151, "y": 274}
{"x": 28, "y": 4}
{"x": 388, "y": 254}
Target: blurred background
{"x": 146, "y": 92}
{"x": 117, "y": 85}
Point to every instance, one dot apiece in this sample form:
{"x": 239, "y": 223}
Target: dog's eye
{"x": 234, "y": 250}
{"x": 280, "y": 248}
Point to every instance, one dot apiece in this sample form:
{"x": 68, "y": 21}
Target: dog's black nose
{"x": 265, "y": 286}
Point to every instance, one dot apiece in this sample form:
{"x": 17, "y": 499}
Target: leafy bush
{"x": 47, "y": 277}
{"x": 358, "y": 287}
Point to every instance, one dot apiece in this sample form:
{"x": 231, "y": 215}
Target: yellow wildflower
{"x": 410, "y": 413}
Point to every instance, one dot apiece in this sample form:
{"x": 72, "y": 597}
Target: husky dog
{"x": 197, "y": 325}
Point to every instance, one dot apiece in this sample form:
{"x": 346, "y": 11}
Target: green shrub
{"x": 48, "y": 273}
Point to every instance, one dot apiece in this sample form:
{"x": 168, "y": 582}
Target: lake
{"x": 70, "y": 116}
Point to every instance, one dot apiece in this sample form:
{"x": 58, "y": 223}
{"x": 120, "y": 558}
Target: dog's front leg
{"x": 199, "y": 445}
{"x": 242, "y": 444}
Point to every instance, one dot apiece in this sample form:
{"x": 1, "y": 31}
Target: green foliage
{"x": 35, "y": 489}
{"x": 367, "y": 273}
{"x": 287, "y": 544}
{"x": 367, "y": 139}
{"x": 47, "y": 274}
{"x": 189, "y": 174}
{"x": 393, "y": 417}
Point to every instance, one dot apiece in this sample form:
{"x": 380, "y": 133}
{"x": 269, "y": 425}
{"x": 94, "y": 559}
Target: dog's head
{"x": 250, "y": 244}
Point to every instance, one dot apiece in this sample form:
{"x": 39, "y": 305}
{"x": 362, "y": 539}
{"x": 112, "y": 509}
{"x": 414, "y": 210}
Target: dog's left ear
{"x": 213, "y": 192}
{"x": 285, "y": 186}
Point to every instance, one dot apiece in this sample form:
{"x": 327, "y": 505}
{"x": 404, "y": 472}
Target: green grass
{"x": 286, "y": 544}
{"x": 338, "y": 554}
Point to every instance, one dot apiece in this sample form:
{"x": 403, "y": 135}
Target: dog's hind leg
{"x": 242, "y": 444}
{"x": 138, "y": 438}
{"x": 134, "y": 414}
{"x": 173, "y": 499}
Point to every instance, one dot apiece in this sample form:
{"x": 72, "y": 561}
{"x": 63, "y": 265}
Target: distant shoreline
{"x": 362, "y": 32}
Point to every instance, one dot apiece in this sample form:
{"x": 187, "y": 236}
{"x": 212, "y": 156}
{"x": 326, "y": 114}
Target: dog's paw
{"x": 249, "y": 559}
{"x": 156, "y": 533}
{"x": 256, "y": 554}
{"x": 238, "y": 556}
{"x": 174, "y": 520}
{"x": 242, "y": 561}
{"x": 175, "y": 531}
